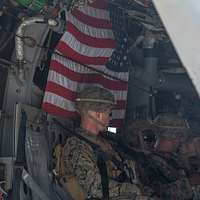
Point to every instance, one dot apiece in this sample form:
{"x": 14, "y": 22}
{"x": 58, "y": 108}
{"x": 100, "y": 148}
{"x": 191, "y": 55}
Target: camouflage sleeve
{"x": 80, "y": 161}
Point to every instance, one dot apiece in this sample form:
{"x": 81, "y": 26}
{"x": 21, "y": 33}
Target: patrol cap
{"x": 171, "y": 125}
{"x": 169, "y": 120}
{"x": 95, "y": 99}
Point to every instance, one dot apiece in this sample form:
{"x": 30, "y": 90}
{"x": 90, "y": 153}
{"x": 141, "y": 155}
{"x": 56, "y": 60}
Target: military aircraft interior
{"x": 161, "y": 109}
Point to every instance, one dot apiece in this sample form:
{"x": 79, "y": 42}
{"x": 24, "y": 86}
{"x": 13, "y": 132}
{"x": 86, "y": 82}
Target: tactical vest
{"x": 72, "y": 185}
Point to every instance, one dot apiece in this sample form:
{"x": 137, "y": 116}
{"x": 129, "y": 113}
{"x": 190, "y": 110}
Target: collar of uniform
{"x": 96, "y": 139}
{"x": 86, "y": 134}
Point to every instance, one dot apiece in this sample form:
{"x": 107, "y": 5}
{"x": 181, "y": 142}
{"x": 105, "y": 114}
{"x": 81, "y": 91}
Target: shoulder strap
{"x": 104, "y": 176}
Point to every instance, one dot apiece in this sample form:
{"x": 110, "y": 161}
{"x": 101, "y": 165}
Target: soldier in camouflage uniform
{"x": 174, "y": 132}
{"x": 141, "y": 134}
{"x": 165, "y": 174}
{"x": 190, "y": 150}
{"x": 81, "y": 173}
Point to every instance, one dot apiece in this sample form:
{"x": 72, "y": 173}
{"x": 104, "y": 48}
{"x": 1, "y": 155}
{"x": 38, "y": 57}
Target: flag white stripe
{"x": 72, "y": 85}
{"x": 69, "y": 64}
{"x": 76, "y": 67}
{"x": 118, "y": 114}
{"x": 89, "y": 30}
{"x": 120, "y": 75}
{"x": 95, "y": 12}
{"x": 84, "y": 49}
{"x": 59, "y": 101}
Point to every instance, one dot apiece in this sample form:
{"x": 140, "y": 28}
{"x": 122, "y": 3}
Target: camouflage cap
{"x": 95, "y": 99}
{"x": 171, "y": 125}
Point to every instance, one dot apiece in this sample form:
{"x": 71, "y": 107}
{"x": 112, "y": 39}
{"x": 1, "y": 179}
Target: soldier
{"x": 164, "y": 171}
{"x": 141, "y": 134}
{"x": 173, "y": 133}
{"x": 86, "y": 173}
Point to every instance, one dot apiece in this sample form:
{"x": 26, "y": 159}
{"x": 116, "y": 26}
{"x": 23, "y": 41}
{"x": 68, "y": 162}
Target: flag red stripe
{"x": 102, "y": 4}
{"x": 55, "y": 110}
{"x": 70, "y": 53}
{"x": 117, "y": 123}
{"x": 61, "y": 91}
{"x": 91, "y": 21}
{"x": 120, "y": 104}
{"x": 88, "y": 78}
{"x": 88, "y": 40}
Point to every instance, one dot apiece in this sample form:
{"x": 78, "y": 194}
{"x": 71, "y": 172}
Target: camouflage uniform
{"x": 190, "y": 151}
{"x": 80, "y": 166}
{"x": 80, "y": 161}
{"x": 173, "y": 131}
{"x": 162, "y": 175}
{"x": 196, "y": 191}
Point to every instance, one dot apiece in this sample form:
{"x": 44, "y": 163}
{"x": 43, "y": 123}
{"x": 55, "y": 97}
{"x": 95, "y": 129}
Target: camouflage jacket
{"x": 167, "y": 180}
{"x": 80, "y": 162}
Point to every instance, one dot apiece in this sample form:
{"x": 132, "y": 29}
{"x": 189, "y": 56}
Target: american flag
{"x": 95, "y": 36}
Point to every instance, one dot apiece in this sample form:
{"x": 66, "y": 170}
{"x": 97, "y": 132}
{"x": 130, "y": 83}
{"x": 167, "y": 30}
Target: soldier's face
{"x": 104, "y": 118}
{"x": 168, "y": 145}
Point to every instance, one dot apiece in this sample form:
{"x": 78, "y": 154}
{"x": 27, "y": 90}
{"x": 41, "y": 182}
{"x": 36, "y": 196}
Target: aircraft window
{"x": 112, "y": 129}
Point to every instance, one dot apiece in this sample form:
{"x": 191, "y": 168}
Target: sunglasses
{"x": 108, "y": 113}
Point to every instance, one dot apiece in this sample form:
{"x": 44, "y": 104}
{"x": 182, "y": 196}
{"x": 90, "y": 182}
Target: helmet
{"x": 171, "y": 125}
{"x": 169, "y": 120}
{"x": 94, "y": 98}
